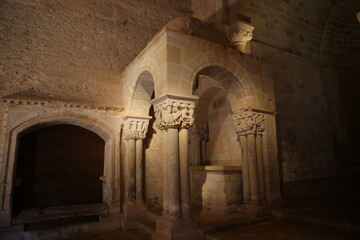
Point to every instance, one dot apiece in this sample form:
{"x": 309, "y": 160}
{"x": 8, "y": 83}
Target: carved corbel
{"x": 240, "y": 34}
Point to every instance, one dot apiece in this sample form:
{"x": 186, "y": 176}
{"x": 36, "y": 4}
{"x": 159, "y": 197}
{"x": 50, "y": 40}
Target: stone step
{"x": 16, "y": 236}
{"x": 44, "y": 231}
{"x": 50, "y": 213}
{"x": 146, "y": 227}
{"x": 349, "y": 228}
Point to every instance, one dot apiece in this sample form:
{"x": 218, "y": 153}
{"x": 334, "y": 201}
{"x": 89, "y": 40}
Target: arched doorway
{"x": 58, "y": 165}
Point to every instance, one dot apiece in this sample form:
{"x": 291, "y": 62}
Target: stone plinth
{"x": 222, "y": 190}
{"x": 174, "y": 228}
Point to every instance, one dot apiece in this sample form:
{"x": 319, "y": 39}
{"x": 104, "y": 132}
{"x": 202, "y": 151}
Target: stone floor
{"x": 331, "y": 216}
{"x": 131, "y": 235}
{"x": 276, "y": 230}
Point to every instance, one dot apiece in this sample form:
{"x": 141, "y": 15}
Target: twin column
{"x": 174, "y": 115}
{"x": 134, "y": 132}
{"x": 250, "y": 127}
{"x": 198, "y": 135}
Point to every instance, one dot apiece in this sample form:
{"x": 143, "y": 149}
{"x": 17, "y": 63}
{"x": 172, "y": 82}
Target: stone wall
{"x": 223, "y": 148}
{"x": 76, "y": 50}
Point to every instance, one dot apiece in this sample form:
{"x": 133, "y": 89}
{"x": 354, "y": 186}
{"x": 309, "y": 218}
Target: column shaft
{"x": 253, "y": 170}
{"x": 197, "y": 152}
{"x": 260, "y": 165}
{"x": 184, "y": 172}
{"x": 203, "y": 152}
{"x": 139, "y": 171}
{"x": 165, "y": 158}
{"x": 174, "y": 173}
{"x": 245, "y": 169}
{"x": 130, "y": 162}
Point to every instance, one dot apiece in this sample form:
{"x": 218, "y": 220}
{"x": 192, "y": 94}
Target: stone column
{"x": 203, "y": 132}
{"x": 139, "y": 171}
{"x": 184, "y": 172}
{"x": 174, "y": 114}
{"x": 245, "y": 169}
{"x": 198, "y": 135}
{"x": 173, "y": 172}
{"x": 134, "y": 131}
{"x": 165, "y": 173}
{"x": 260, "y": 166}
{"x": 253, "y": 170}
{"x": 195, "y": 140}
{"x": 249, "y": 127}
{"x": 129, "y": 165}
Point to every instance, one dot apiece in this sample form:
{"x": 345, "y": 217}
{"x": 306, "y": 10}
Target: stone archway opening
{"x": 214, "y": 149}
{"x": 59, "y": 171}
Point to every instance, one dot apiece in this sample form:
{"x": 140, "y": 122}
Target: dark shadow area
{"x": 58, "y": 165}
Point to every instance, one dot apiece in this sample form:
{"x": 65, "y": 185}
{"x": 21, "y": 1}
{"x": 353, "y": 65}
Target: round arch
{"x": 86, "y": 122}
{"x": 236, "y": 90}
{"x": 143, "y": 92}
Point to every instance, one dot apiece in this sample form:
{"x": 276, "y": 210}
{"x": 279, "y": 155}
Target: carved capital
{"x": 240, "y": 33}
{"x": 135, "y": 127}
{"x": 174, "y": 111}
{"x": 198, "y": 132}
{"x": 249, "y": 123}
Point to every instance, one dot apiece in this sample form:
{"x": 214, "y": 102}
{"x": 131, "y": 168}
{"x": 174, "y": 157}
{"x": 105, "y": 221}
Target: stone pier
{"x": 174, "y": 115}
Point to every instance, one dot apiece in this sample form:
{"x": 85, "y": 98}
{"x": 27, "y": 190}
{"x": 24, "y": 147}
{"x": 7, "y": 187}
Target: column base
{"x": 132, "y": 213}
{"x": 254, "y": 210}
{"x": 168, "y": 228}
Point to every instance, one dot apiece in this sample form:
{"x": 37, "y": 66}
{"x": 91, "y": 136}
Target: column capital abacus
{"x": 135, "y": 127}
{"x": 249, "y": 122}
{"x": 174, "y": 111}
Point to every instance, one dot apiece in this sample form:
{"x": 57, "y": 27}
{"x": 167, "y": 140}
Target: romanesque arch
{"x": 31, "y": 124}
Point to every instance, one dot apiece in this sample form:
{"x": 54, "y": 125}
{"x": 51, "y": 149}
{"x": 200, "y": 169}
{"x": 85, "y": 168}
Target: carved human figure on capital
{"x": 175, "y": 117}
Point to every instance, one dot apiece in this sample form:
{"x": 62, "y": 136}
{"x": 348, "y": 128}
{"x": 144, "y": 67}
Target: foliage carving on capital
{"x": 135, "y": 128}
{"x": 240, "y": 34}
{"x": 249, "y": 123}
